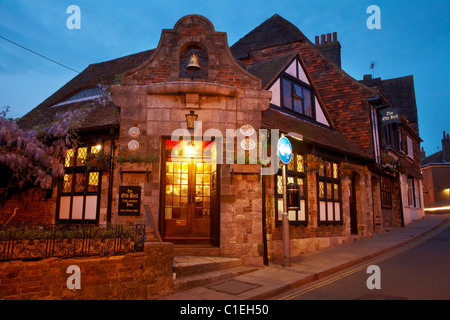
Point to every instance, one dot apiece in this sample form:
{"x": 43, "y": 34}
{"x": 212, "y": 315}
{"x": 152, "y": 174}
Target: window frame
{"x": 74, "y": 169}
{"x": 297, "y": 82}
{"x": 413, "y": 192}
{"x": 293, "y": 172}
{"x": 410, "y": 147}
{"x": 333, "y": 179}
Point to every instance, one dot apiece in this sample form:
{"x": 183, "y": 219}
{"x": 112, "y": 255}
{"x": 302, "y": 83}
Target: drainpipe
{"x": 401, "y": 198}
{"x": 111, "y": 177}
{"x": 264, "y": 226}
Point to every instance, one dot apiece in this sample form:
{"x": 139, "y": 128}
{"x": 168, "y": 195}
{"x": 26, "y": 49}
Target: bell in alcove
{"x": 193, "y": 63}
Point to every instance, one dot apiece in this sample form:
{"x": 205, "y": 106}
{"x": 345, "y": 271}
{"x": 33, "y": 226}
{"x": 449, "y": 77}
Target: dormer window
{"x": 294, "y": 94}
{"x": 297, "y": 97}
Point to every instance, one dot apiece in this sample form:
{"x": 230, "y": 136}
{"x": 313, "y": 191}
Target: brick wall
{"x": 241, "y": 213}
{"x": 32, "y": 204}
{"x": 146, "y": 275}
{"x": 192, "y": 30}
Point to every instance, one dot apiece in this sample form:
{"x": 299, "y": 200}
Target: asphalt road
{"x": 419, "y": 270}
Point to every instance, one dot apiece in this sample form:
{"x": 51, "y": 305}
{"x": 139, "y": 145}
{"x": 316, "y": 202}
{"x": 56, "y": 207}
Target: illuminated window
{"x": 69, "y": 158}
{"x": 79, "y": 188}
{"x": 295, "y": 173}
{"x": 329, "y": 195}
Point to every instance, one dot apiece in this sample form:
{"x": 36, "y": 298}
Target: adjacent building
{"x": 436, "y": 178}
{"x": 190, "y": 137}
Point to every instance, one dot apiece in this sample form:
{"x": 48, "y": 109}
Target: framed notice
{"x": 129, "y": 201}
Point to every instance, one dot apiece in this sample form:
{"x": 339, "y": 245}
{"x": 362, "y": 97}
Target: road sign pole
{"x": 285, "y": 221}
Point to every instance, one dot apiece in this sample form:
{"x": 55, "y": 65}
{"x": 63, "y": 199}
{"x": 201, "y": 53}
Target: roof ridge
{"x": 260, "y": 37}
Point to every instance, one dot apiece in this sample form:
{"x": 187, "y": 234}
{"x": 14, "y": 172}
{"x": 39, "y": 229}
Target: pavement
{"x": 276, "y": 279}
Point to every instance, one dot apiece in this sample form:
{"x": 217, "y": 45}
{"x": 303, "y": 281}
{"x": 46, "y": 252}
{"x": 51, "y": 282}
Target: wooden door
{"x": 187, "y": 198}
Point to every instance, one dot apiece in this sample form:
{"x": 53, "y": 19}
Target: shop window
{"x": 79, "y": 190}
{"x": 329, "y": 193}
{"x": 297, "y": 97}
{"x": 295, "y": 173}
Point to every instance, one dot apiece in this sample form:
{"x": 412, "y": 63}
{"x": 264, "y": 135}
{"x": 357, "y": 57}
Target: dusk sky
{"x": 413, "y": 40}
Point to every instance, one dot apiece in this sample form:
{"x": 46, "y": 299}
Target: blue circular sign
{"x": 284, "y": 150}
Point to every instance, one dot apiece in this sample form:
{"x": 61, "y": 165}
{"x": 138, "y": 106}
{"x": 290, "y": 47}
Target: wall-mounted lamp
{"x": 190, "y": 119}
{"x": 295, "y": 135}
{"x": 447, "y": 191}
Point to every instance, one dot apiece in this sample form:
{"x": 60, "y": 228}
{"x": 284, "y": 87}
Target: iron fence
{"x": 33, "y": 240}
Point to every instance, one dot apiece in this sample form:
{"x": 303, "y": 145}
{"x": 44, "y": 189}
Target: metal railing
{"x": 34, "y": 240}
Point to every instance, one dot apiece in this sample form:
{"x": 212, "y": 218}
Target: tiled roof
{"x": 400, "y": 92}
{"x": 435, "y": 158}
{"x": 269, "y": 69}
{"x": 312, "y": 133}
{"x": 272, "y": 32}
{"x": 94, "y": 74}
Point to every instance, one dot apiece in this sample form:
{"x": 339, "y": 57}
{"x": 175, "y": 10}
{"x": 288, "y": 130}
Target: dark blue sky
{"x": 413, "y": 39}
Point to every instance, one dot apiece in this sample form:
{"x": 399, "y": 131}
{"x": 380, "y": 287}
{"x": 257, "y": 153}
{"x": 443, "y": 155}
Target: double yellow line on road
{"x": 377, "y": 260}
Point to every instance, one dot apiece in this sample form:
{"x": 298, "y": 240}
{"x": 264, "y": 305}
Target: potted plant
{"x": 313, "y": 163}
{"x": 136, "y": 163}
{"x": 98, "y": 161}
{"x": 387, "y": 160}
{"x": 345, "y": 170}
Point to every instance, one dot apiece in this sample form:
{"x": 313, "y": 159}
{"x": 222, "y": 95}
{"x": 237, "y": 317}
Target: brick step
{"x": 196, "y": 280}
{"x": 189, "y": 265}
{"x": 196, "y": 250}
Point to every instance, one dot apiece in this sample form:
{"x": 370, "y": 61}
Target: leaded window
{"x": 295, "y": 173}
{"x": 329, "y": 194}
{"x": 80, "y": 187}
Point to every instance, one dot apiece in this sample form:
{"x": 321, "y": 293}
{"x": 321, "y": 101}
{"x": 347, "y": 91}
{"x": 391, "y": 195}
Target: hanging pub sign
{"x": 129, "y": 201}
{"x": 390, "y": 115}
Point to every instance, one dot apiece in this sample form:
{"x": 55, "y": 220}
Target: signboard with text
{"x": 390, "y": 115}
{"x": 129, "y": 201}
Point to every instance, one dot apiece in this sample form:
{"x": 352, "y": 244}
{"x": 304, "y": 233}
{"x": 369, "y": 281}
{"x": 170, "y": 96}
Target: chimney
{"x": 422, "y": 154}
{"x": 330, "y": 46}
{"x": 446, "y": 147}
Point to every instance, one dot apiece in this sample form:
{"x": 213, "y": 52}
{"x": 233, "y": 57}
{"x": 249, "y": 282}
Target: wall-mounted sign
{"x": 284, "y": 150}
{"x": 129, "y": 201}
{"x": 133, "y": 145}
{"x": 248, "y": 144}
{"x": 247, "y": 130}
{"x": 390, "y": 115}
{"x": 134, "y": 132}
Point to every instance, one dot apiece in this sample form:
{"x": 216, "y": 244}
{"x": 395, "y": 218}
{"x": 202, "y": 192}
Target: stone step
{"x": 196, "y": 250}
{"x": 196, "y": 280}
{"x": 189, "y": 265}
